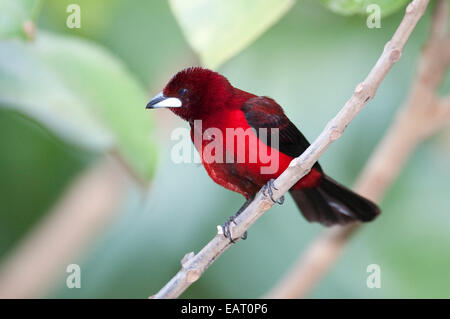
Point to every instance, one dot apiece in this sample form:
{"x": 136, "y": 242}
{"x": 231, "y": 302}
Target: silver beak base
{"x": 161, "y": 100}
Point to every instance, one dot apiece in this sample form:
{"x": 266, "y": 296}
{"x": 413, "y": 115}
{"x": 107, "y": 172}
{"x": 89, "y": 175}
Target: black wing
{"x": 264, "y": 112}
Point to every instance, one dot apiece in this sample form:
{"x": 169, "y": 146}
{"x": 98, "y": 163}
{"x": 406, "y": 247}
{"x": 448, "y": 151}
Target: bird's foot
{"x": 268, "y": 188}
{"x": 226, "y": 227}
{"x": 227, "y": 231}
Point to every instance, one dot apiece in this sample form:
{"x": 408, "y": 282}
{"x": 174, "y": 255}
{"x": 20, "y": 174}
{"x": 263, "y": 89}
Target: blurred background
{"x": 85, "y": 171}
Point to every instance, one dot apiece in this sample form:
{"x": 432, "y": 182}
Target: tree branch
{"x": 193, "y": 265}
{"x": 422, "y": 115}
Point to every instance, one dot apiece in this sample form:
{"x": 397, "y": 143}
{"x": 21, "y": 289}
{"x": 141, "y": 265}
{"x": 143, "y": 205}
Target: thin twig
{"x": 193, "y": 265}
{"x": 422, "y": 115}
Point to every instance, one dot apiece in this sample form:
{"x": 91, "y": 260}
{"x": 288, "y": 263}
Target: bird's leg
{"x": 268, "y": 188}
{"x": 226, "y": 225}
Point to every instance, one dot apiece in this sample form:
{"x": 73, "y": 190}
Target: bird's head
{"x": 193, "y": 93}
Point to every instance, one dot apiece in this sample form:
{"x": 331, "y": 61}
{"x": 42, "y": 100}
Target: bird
{"x": 199, "y": 95}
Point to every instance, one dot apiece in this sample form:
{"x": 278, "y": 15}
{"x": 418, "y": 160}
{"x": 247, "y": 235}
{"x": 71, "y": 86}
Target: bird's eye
{"x": 182, "y": 92}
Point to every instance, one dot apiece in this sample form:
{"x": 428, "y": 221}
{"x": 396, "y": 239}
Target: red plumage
{"x": 208, "y": 96}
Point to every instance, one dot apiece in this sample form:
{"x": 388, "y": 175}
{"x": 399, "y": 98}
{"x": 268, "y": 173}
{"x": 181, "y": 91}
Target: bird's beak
{"x": 163, "y": 101}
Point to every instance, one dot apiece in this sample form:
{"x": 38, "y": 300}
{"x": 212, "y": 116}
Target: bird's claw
{"x": 227, "y": 232}
{"x": 268, "y": 188}
{"x": 226, "y": 228}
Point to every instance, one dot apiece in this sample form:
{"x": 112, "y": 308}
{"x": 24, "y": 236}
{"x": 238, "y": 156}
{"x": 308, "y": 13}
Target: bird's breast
{"x": 229, "y": 139}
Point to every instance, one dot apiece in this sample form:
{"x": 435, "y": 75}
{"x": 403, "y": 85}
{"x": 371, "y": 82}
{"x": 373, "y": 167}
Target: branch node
{"x": 335, "y": 133}
{"x": 410, "y": 8}
{"x": 359, "y": 88}
{"x": 192, "y": 275}
{"x": 294, "y": 163}
{"x": 187, "y": 258}
{"x": 267, "y": 203}
{"x": 395, "y": 55}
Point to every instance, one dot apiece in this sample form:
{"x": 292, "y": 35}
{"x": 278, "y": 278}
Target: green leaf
{"x": 14, "y": 16}
{"x": 219, "y": 29}
{"x": 80, "y": 92}
{"x": 351, "y": 7}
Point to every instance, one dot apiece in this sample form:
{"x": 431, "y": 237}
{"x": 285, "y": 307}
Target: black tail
{"x": 332, "y": 203}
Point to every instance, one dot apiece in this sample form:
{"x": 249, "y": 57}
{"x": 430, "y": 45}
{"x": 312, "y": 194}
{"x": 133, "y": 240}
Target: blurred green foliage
{"x": 13, "y": 15}
{"x": 310, "y": 61}
{"x": 35, "y": 168}
{"x": 228, "y": 27}
{"x": 349, "y": 7}
{"x": 79, "y": 91}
